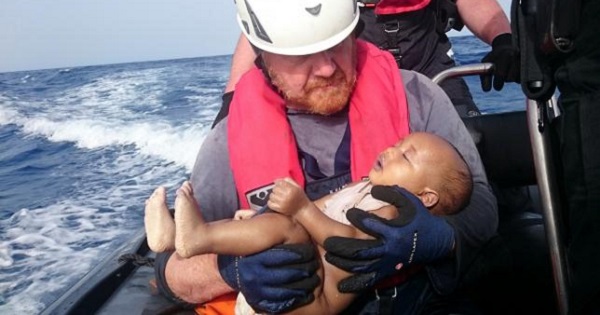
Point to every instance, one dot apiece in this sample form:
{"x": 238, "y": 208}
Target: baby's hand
{"x": 244, "y": 214}
{"x": 287, "y": 197}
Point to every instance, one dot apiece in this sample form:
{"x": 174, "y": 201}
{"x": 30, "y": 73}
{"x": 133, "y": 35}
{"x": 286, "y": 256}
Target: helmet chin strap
{"x": 260, "y": 64}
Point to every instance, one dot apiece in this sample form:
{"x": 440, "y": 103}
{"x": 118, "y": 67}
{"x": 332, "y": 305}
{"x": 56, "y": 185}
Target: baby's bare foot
{"x": 160, "y": 227}
{"x": 188, "y": 222}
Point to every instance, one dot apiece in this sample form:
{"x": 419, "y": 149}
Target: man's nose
{"x": 323, "y": 64}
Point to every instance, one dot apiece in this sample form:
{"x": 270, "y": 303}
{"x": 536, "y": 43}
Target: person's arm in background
{"x": 487, "y": 21}
{"x": 242, "y": 61}
{"x": 485, "y": 18}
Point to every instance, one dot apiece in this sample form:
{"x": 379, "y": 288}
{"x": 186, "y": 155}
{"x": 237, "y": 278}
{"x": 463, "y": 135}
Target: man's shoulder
{"x": 216, "y": 139}
{"x": 411, "y": 74}
{"x": 420, "y": 89}
{"x": 425, "y": 99}
{"x": 416, "y": 80}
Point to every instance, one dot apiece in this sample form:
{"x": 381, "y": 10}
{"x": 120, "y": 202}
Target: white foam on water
{"x": 175, "y": 144}
{"x": 5, "y": 256}
{"x": 114, "y": 93}
{"x": 56, "y": 245}
{"x": 132, "y": 150}
{"x": 46, "y": 250}
{"x": 103, "y": 113}
{"x": 7, "y": 116}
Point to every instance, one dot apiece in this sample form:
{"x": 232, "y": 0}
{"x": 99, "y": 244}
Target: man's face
{"x": 320, "y": 83}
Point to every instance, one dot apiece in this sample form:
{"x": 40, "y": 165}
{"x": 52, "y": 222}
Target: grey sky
{"x": 42, "y": 34}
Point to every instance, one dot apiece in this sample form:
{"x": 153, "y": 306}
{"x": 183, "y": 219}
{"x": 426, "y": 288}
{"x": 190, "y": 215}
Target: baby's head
{"x": 429, "y": 167}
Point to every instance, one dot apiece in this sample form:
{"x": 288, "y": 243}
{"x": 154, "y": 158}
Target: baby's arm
{"x": 288, "y": 198}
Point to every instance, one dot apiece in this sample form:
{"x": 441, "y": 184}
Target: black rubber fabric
{"x": 428, "y": 55}
{"x": 578, "y": 131}
{"x": 224, "y": 111}
{"x": 160, "y": 263}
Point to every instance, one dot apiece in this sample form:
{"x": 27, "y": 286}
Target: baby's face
{"x": 410, "y": 163}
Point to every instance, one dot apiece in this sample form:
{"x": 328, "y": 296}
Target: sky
{"x": 44, "y": 34}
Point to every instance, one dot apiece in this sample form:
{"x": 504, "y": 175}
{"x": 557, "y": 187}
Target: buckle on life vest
{"x": 391, "y": 29}
{"x": 392, "y": 297}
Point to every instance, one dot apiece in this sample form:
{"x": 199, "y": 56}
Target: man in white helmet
{"x": 414, "y": 31}
{"x": 318, "y": 108}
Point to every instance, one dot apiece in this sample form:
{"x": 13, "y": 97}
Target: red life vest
{"x": 261, "y": 142}
{"x": 399, "y": 6}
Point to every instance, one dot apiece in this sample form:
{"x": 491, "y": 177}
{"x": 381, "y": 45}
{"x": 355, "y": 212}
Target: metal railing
{"x": 537, "y": 121}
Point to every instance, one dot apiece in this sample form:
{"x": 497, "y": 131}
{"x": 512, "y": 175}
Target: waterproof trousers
{"x": 578, "y": 137}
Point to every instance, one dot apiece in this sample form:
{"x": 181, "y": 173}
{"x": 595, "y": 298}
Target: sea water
{"x": 82, "y": 148}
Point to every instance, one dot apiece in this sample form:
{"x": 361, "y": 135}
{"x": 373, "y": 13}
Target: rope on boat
{"x": 137, "y": 260}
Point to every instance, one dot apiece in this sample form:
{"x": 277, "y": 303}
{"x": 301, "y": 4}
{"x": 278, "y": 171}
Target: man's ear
{"x": 429, "y": 197}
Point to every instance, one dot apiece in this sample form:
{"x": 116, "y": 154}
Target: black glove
{"x": 276, "y": 280}
{"x": 415, "y": 236}
{"x": 507, "y": 64}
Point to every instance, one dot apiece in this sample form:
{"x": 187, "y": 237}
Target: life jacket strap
{"x": 391, "y": 28}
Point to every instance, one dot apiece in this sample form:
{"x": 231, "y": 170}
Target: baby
{"x": 424, "y": 164}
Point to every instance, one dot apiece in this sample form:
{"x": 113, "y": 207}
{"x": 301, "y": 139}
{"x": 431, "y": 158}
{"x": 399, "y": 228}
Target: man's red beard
{"x": 324, "y": 96}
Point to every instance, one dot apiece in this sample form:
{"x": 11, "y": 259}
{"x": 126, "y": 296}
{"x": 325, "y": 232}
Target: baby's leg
{"x": 160, "y": 227}
{"x": 189, "y": 222}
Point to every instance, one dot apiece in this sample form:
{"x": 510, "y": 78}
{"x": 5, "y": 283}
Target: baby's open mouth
{"x": 378, "y": 165}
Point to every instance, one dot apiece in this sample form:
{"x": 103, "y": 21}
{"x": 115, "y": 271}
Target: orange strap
{"x": 222, "y": 305}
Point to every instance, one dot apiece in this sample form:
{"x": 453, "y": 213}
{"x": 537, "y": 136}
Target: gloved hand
{"x": 507, "y": 63}
{"x": 415, "y": 236}
{"x": 276, "y": 280}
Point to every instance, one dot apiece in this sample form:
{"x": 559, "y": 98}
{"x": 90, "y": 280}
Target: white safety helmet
{"x": 296, "y": 27}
